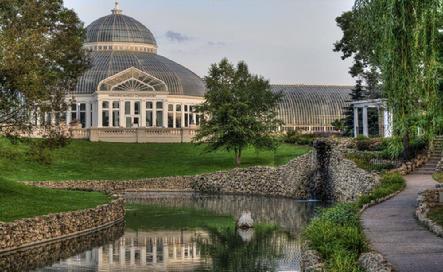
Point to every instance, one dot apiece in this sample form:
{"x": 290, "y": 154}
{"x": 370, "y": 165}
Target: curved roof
{"x": 119, "y": 28}
{"x": 179, "y": 80}
{"x": 311, "y": 105}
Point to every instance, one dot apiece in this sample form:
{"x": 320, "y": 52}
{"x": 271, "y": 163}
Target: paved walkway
{"x": 393, "y": 231}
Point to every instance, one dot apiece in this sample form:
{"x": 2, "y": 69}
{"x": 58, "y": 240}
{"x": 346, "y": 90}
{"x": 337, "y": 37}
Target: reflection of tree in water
{"x": 229, "y": 252}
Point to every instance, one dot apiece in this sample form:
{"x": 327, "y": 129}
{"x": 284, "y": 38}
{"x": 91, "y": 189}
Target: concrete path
{"x": 393, "y": 231}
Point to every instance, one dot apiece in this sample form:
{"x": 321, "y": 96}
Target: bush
{"x": 40, "y": 153}
{"x": 293, "y": 137}
{"x": 389, "y": 184}
{"x": 369, "y": 144}
{"x": 336, "y": 233}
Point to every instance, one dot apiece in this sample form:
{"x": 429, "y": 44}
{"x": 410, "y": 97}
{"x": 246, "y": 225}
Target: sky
{"x": 285, "y": 41}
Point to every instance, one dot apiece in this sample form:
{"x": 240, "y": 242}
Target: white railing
{"x": 142, "y": 135}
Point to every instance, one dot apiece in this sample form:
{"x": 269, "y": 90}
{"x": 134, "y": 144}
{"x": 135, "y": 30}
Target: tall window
{"x": 73, "y": 112}
{"x": 149, "y": 114}
{"x": 116, "y": 114}
{"x": 159, "y": 119}
{"x": 178, "y": 116}
{"x": 170, "y": 116}
{"x": 83, "y": 114}
{"x": 105, "y": 114}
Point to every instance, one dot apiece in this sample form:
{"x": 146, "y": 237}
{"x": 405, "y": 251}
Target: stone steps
{"x": 435, "y": 157}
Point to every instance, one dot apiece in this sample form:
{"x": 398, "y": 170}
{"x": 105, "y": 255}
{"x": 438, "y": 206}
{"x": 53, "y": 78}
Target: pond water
{"x": 172, "y": 241}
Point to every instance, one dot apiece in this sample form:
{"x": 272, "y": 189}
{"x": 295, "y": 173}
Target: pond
{"x": 182, "y": 232}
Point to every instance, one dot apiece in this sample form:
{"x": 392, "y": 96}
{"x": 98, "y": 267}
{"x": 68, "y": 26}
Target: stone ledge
{"x": 48, "y": 228}
{"x": 374, "y": 262}
{"x": 425, "y": 202}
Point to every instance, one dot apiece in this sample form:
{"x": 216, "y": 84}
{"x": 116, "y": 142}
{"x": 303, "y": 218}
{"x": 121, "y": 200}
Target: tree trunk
{"x": 406, "y": 147}
{"x": 238, "y": 157}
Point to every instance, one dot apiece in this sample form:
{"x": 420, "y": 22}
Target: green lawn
{"x": 83, "y": 160}
{"x": 20, "y": 201}
{"x": 438, "y": 177}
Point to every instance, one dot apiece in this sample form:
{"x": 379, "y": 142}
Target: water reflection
{"x": 267, "y": 248}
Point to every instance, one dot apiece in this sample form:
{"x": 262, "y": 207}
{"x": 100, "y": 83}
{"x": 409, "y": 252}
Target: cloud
{"x": 177, "y": 37}
{"x": 217, "y": 44}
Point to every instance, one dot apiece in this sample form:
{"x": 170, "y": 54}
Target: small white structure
{"x": 385, "y": 117}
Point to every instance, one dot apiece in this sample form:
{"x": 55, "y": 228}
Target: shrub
{"x": 39, "y": 152}
{"x": 337, "y": 233}
{"x": 293, "y": 137}
{"x": 389, "y": 184}
{"x": 369, "y": 144}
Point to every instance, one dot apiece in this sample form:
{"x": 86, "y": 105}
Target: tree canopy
{"x": 41, "y": 57}
{"x": 239, "y": 111}
{"x": 398, "y": 41}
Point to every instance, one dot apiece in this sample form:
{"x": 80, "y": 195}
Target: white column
{"x": 94, "y": 114}
{"x": 122, "y": 114}
{"x": 165, "y": 114}
{"x": 99, "y": 114}
{"x": 365, "y": 122}
{"x": 183, "y": 116}
{"x": 68, "y": 115}
{"x": 143, "y": 113}
{"x": 154, "y": 113}
{"x": 77, "y": 113}
{"x": 355, "y": 122}
{"x": 174, "y": 116}
{"x": 88, "y": 115}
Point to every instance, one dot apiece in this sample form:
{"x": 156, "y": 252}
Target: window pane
{"x": 149, "y": 105}
{"x": 159, "y": 119}
{"x": 82, "y": 107}
{"x": 137, "y": 108}
{"x": 186, "y": 107}
{"x": 170, "y": 107}
{"x": 149, "y": 119}
{"x": 105, "y": 105}
{"x": 116, "y": 105}
{"x": 178, "y": 108}
{"x": 127, "y": 108}
{"x": 105, "y": 118}
{"x": 73, "y": 107}
{"x": 159, "y": 105}
{"x": 170, "y": 120}
{"x": 128, "y": 122}
{"x": 116, "y": 118}
{"x": 186, "y": 120}
{"x": 83, "y": 119}
{"x": 178, "y": 121}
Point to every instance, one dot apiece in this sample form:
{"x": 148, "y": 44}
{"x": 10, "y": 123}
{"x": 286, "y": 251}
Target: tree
{"x": 239, "y": 111}
{"x": 41, "y": 57}
{"x": 404, "y": 35}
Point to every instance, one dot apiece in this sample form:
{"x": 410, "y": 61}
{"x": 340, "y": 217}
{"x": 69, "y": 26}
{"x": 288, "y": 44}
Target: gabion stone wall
{"x": 41, "y": 229}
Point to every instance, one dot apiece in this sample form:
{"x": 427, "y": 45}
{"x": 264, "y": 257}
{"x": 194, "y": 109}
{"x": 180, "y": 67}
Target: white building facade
{"x": 130, "y": 93}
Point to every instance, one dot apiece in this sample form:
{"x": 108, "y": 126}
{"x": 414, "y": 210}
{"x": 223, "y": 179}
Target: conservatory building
{"x": 132, "y": 94}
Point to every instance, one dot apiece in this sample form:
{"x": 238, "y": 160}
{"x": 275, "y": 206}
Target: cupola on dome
{"x": 119, "y": 28}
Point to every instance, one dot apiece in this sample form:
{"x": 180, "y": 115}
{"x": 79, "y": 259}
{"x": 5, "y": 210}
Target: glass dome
{"x": 118, "y": 28}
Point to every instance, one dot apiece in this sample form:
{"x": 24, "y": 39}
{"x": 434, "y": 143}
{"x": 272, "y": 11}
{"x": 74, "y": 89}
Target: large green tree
{"x": 41, "y": 57}
{"x": 403, "y": 40}
{"x": 239, "y": 111}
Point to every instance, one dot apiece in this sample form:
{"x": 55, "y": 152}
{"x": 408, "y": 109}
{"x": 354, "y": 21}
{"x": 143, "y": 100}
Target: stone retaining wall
{"x": 425, "y": 202}
{"x": 42, "y": 229}
{"x": 294, "y": 180}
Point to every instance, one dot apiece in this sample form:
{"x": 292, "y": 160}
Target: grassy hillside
{"x": 82, "y": 160}
{"x": 20, "y": 201}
